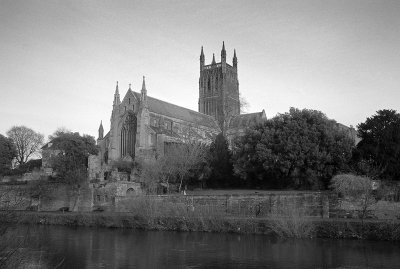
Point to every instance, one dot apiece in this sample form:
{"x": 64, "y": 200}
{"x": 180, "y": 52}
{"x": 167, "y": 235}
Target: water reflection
{"x": 114, "y": 248}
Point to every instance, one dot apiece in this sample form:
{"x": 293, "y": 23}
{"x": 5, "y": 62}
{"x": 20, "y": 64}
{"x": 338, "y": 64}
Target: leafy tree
{"x": 27, "y": 142}
{"x": 29, "y": 166}
{"x": 59, "y": 132}
{"x": 220, "y": 164}
{"x": 7, "y": 153}
{"x": 72, "y": 162}
{"x": 301, "y": 149}
{"x": 380, "y": 143}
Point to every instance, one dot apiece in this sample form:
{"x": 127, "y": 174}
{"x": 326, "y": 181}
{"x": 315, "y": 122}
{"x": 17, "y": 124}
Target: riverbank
{"x": 281, "y": 227}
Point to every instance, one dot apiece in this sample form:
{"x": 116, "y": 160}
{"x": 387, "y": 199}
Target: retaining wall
{"x": 315, "y": 204}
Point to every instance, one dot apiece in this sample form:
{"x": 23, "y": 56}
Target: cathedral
{"x": 144, "y": 126}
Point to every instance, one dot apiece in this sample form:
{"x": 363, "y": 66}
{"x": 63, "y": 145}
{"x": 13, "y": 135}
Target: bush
{"x": 357, "y": 189}
{"x": 292, "y": 221}
{"x": 123, "y": 166}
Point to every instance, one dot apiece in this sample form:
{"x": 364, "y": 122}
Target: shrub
{"x": 358, "y": 189}
{"x": 292, "y": 221}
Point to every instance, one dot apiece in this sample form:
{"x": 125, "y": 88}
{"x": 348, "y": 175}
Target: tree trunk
{"x": 76, "y": 200}
{"x": 180, "y": 185}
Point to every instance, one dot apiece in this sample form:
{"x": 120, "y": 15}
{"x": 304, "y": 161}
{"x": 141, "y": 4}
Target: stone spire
{"x": 129, "y": 87}
{"x": 144, "y": 92}
{"x": 202, "y": 59}
{"x": 101, "y": 130}
{"x": 223, "y": 52}
{"x": 213, "y": 60}
{"x": 117, "y": 100}
{"x": 234, "y": 59}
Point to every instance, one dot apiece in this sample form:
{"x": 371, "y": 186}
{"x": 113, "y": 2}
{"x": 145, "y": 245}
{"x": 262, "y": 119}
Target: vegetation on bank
{"x": 321, "y": 228}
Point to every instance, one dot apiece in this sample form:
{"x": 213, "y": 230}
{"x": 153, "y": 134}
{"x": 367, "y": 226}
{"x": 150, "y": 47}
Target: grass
{"x": 322, "y": 228}
{"x": 382, "y": 210}
{"x": 291, "y": 221}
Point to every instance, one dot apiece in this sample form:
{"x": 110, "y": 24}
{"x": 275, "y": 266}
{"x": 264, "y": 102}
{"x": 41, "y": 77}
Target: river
{"x": 84, "y": 248}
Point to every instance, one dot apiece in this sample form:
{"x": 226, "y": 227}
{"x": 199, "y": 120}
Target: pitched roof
{"x": 246, "y": 120}
{"x": 178, "y": 112}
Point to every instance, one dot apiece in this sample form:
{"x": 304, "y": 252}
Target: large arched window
{"x": 128, "y": 136}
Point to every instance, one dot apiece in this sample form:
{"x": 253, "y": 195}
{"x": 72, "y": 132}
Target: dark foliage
{"x": 72, "y": 161}
{"x": 7, "y": 154}
{"x": 27, "y": 167}
{"x": 299, "y": 149}
{"x": 220, "y": 164}
{"x": 380, "y": 144}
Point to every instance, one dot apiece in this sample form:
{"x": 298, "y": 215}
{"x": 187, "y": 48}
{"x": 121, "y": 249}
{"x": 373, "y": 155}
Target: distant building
{"x": 142, "y": 126}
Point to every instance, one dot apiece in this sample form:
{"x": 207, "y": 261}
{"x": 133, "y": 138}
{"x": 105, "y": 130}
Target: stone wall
{"x": 315, "y": 204}
{"x": 59, "y": 195}
{"x": 25, "y": 197}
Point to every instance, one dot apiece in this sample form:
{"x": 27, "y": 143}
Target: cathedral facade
{"x": 143, "y": 126}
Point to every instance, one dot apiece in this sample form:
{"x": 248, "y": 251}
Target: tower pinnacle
{"x": 144, "y": 93}
{"x": 223, "y": 53}
{"x": 213, "y": 60}
{"x": 117, "y": 101}
{"x": 101, "y": 130}
{"x": 234, "y": 59}
{"x": 144, "y": 85}
{"x": 201, "y": 59}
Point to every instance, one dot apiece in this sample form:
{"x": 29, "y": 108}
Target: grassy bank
{"x": 282, "y": 227}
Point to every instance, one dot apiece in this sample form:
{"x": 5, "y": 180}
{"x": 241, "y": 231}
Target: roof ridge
{"x": 245, "y": 114}
{"x": 208, "y": 116}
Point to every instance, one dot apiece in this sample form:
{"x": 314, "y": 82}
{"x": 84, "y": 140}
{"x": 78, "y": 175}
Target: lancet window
{"x": 128, "y": 136}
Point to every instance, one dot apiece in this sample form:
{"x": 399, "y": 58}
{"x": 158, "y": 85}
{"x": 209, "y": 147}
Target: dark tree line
{"x": 304, "y": 149}
{"x": 378, "y": 153}
{"x": 298, "y": 149}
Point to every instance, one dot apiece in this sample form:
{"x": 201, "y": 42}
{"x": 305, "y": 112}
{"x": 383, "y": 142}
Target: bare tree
{"x": 244, "y": 104}
{"x": 27, "y": 142}
{"x": 356, "y": 188}
{"x": 185, "y": 159}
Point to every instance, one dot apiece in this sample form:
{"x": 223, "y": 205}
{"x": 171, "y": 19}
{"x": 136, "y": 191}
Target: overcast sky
{"x": 60, "y": 60}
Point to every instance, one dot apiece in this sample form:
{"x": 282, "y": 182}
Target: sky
{"x": 60, "y": 60}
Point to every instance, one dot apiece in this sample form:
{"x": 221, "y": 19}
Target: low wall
{"x": 315, "y": 204}
{"x": 53, "y": 196}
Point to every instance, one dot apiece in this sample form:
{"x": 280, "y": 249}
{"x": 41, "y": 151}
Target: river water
{"x": 119, "y": 248}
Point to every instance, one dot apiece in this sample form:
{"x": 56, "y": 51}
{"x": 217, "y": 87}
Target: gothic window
{"x": 209, "y": 85}
{"x": 106, "y": 157}
{"x": 129, "y": 100}
{"x": 168, "y": 125}
{"x": 152, "y": 139}
{"x": 154, "y": 122}
{"x": 128, "y": 136}
{"x": 175, "y": 127}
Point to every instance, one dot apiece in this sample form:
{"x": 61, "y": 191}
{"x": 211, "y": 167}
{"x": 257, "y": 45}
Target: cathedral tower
{"x": 219, "y": 89}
